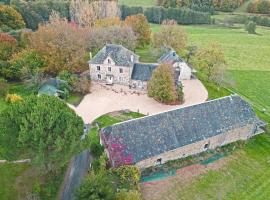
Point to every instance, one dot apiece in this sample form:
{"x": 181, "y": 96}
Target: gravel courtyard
{"x": 104, "y": 99}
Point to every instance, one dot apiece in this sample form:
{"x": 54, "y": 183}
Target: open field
{"x": 138, "y": 2}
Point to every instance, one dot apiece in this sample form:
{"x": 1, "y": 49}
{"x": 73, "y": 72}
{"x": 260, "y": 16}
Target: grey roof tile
{"x": 152, "y": 135}
{"x": 143, "y": 71}
{"x": 120, "y": 55}
{"x": 170, "y": 57}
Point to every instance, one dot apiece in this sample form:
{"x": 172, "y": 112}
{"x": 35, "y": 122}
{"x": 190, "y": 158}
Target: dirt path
{"x": 108, "y": 99}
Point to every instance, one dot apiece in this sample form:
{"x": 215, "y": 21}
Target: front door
{"x": 109, "y": 80}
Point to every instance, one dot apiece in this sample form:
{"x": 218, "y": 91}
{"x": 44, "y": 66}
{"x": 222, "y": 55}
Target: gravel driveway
{"x": 104, "y": 99}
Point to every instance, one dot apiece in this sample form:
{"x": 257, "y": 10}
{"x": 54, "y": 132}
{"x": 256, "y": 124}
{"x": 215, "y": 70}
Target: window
{"x": 120, "y": 70}
{"x": 206, "y": 146}
{"x": 99, "y": 76}
{"x": 109, "y": 69}
{"x": 98, "y": 68}
{"x": 109, "y": 61}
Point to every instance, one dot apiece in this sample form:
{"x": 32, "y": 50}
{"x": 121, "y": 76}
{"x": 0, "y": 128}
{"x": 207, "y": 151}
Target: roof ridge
{"x": 187, "y": 106}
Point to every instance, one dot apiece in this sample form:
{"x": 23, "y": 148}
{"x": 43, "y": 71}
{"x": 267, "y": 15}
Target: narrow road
{"x": 78, "y": 167}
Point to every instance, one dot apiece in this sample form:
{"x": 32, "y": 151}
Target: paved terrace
{"x": 104, "y": 99}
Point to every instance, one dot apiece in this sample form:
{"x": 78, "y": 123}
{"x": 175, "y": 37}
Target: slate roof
{"x": 152, "y": 135}
{"x": 170, "y": 57}
{"x": 143, "y": 71}
{"x": 120, "y": 55}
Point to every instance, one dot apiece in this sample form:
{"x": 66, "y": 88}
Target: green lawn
{"x": 143, "y": 3}
{"x": 8, "y": 176}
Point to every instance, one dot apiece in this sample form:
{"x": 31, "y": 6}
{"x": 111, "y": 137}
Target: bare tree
{"x": 86, "y": 12}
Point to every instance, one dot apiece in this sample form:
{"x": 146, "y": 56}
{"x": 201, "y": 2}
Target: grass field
{"x": 143, "y": 3}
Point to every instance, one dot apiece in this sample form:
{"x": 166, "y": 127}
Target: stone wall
{"x": 118, "y": 78}
{"x": 236, "y": 134}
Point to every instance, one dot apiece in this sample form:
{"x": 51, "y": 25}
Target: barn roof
{"x": 120, "y": 55}
{"x": 152, "y": 135}
{"x": 143, "y": 71}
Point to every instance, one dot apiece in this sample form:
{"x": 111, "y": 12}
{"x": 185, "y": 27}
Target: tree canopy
{"x": 45, "y": 127}
{"x": 170, "y": 36}
{"x": 161, "y": 85}
{"x": 10, "y": 19}
{"x": 141, "y": 28}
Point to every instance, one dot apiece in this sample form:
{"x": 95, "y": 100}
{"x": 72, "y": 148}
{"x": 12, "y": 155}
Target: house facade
{"x": 114, "y": 64}
{"x": 179, "y": 133}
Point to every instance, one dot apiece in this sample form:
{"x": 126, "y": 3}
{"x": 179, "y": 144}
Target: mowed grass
{"x": 245, "y": 176}
{"x": 8, "y": 176}
{"x": 144, "y": 3}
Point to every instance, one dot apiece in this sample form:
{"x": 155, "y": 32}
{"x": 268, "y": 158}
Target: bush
{"x": 251, "y": 27}
{"x": 128, "y": 195}
{"x": 129, "y": 176}
{"x": 12, "y": 98}
{"x": 97, "y": 187}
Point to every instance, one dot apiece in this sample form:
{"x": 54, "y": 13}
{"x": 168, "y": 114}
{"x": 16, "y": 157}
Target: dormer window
{"x": 109, "y": 61}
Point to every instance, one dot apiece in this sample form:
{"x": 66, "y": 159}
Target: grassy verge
{"x": 75, "y": 99}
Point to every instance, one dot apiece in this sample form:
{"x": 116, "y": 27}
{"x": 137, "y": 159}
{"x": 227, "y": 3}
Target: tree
{"x": 45, "y": 127}
{"x": 211, "y": 62}
{"x": 96, "y": 187}
{"x": 112, "y": 21}
{"x": 141, "y": 28}
{"x": 8, "y": 45}
{"x": 161, "y": 85}
{"x": 61, "y": 44}
{"x": 251, "y": 27}
{"x": 86, "y": 12}
{"x": 170, "y": 37}
{"x": 10, "y": 19}
{"x": 98, "y": 37}
{"x": 27, "y": 62}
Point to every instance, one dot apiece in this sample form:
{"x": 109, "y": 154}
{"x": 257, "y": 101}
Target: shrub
{"x": 128, "y": 195}
{"x": 129, "y": 176}
{"x": 12, "y": 98}
{"x": 251, "y": 27}
{"x": 96, "y": 186}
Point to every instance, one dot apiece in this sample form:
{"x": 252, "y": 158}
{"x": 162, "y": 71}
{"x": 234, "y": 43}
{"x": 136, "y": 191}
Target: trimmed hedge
{"x": 158, "y": 14}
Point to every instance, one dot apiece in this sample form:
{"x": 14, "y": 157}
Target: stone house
{"x": 179, "y": 133}
{"x": 114, "y": 64}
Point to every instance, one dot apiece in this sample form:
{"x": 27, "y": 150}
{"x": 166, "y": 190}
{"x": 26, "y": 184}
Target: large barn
{"x": 179, "y": 133}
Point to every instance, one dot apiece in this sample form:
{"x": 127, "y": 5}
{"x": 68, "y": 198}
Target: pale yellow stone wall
{"x": 242, "y": 133}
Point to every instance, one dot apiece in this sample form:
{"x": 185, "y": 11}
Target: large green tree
{"x": 10, "y": 19}
{"x": 44, "y": 127}
{"x": 162, "y": 86}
